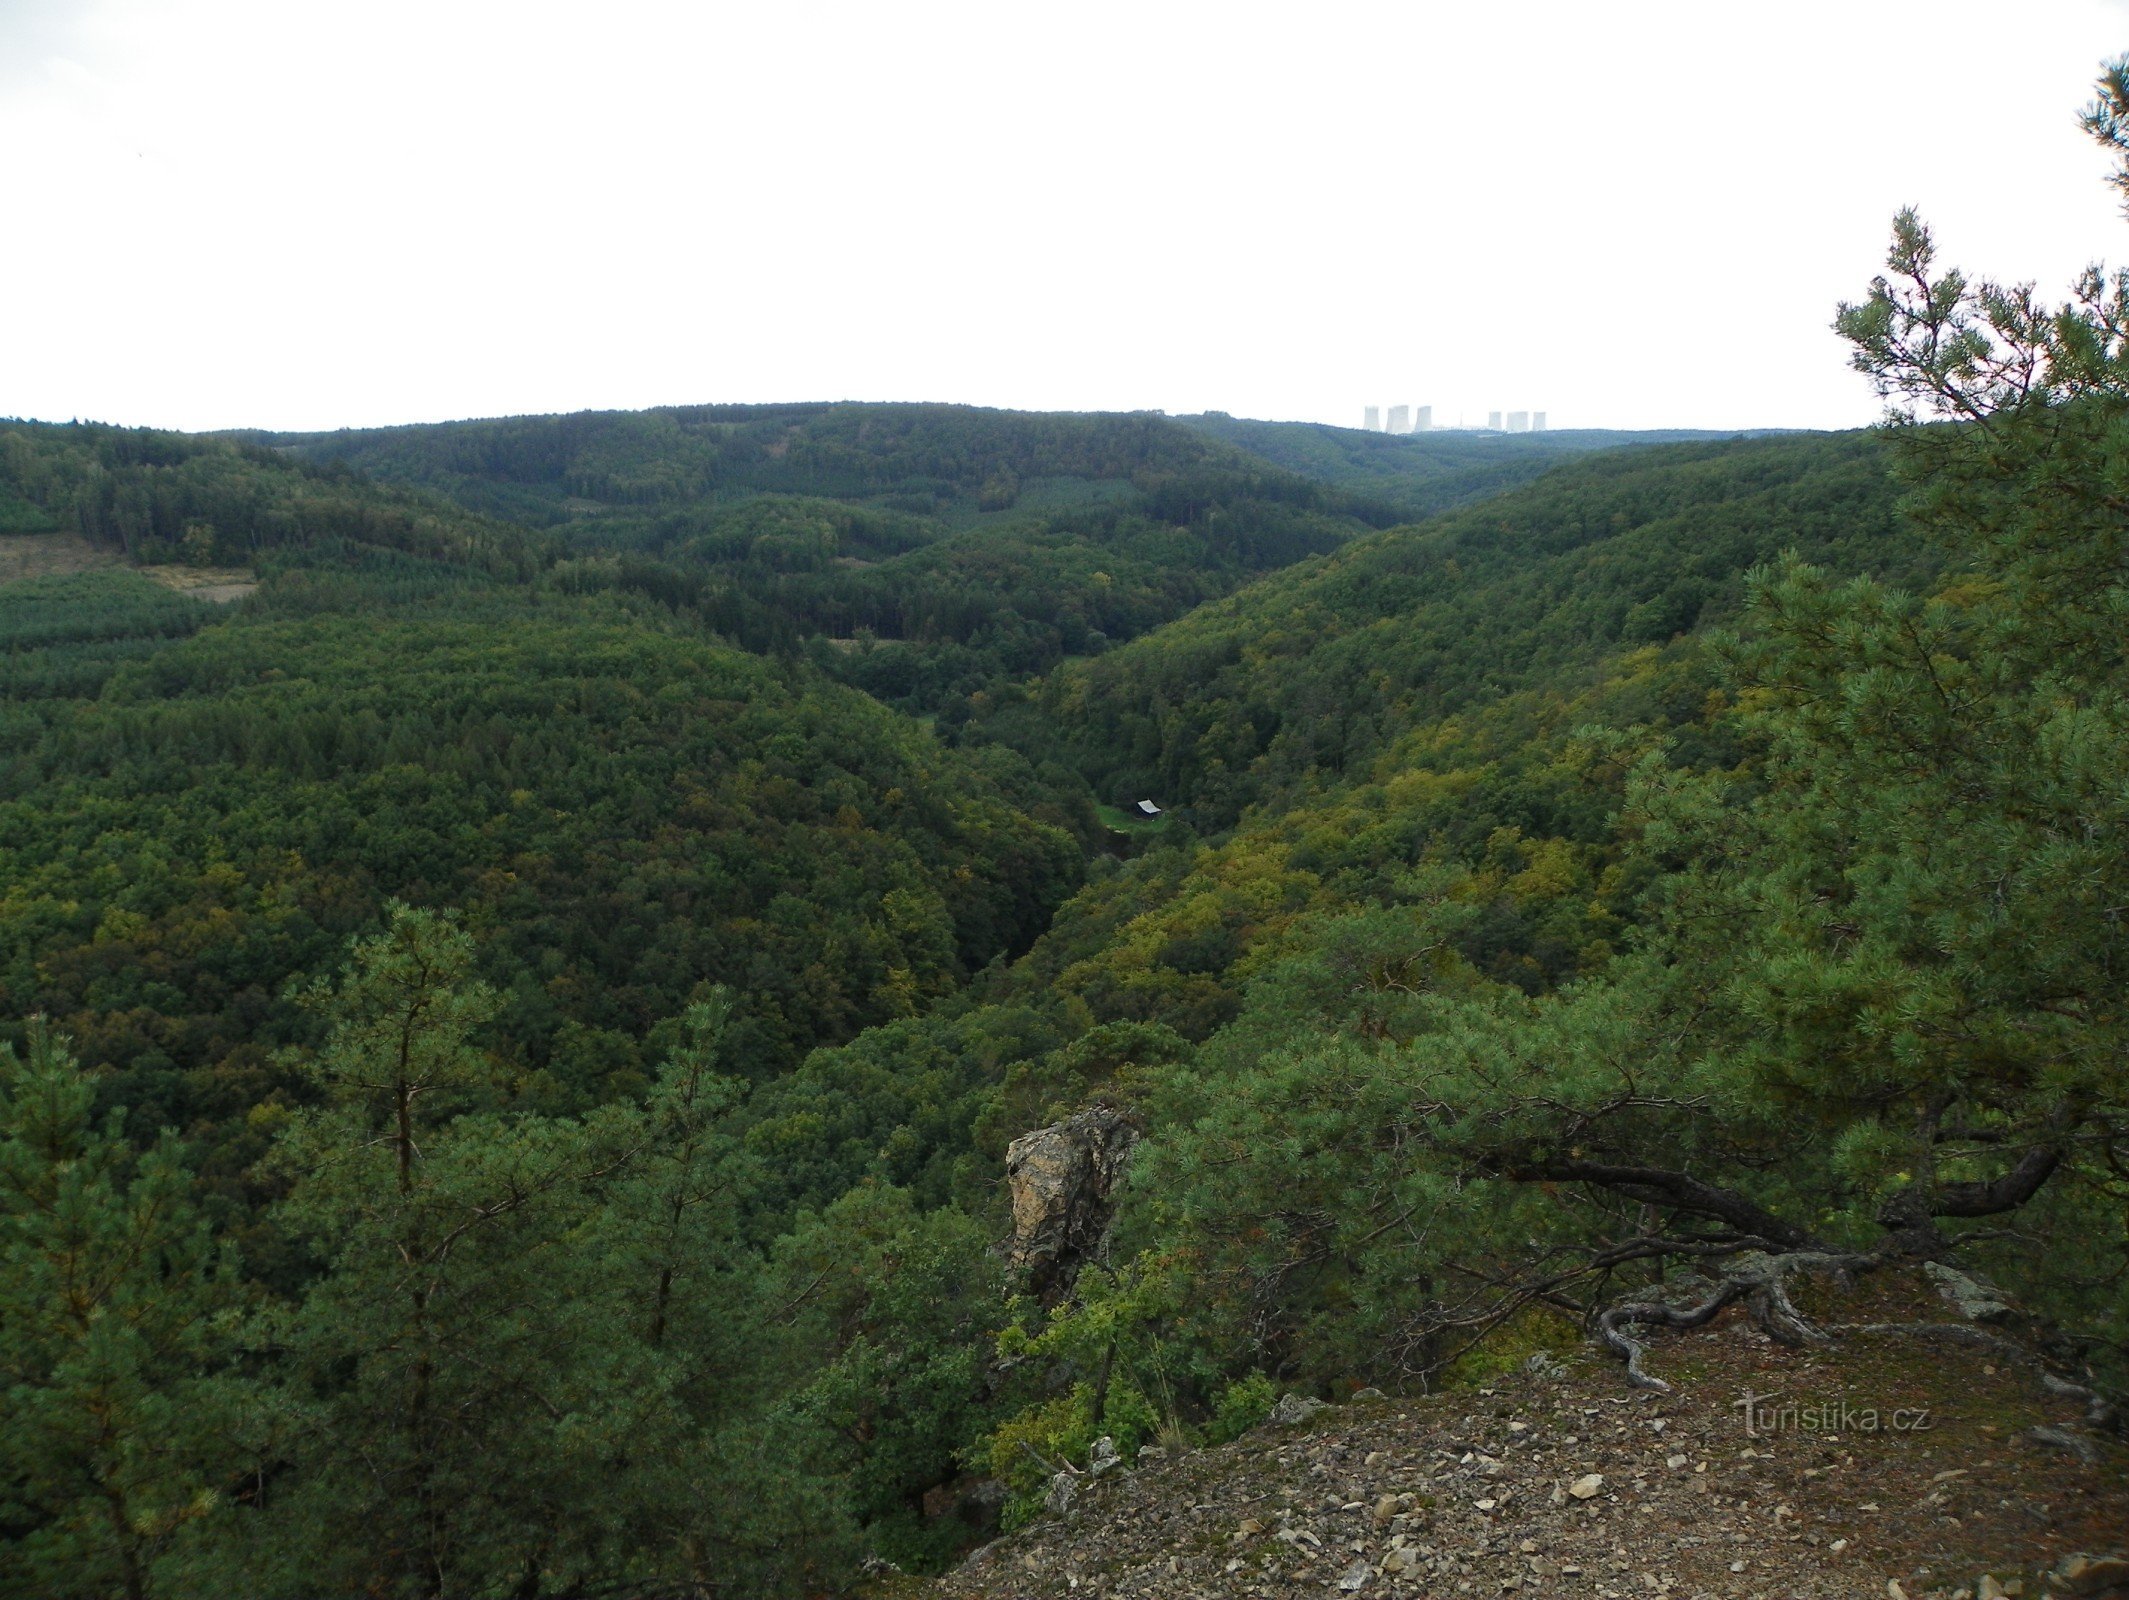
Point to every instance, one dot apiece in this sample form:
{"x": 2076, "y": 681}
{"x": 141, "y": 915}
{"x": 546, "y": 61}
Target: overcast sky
{"x": 313, "y": 213}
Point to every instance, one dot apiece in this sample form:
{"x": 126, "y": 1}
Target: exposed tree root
{"x": 1759, "y": 1280}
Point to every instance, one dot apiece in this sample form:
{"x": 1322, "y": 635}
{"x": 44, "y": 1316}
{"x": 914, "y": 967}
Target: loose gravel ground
{"x": 1571, "y": 1484}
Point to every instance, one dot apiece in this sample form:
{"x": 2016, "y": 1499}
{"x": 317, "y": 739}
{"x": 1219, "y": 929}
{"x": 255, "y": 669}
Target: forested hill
{"x": 154, "y": 496}
{"x": 1587, "y": 897}
{"x": 1313, "y": 672}
{"x": 922, "y": 552}
{"x": 1422, "y": 473}
{"x": 591, "y": 1049}
{"x": 421, "y": 703}
{"x": 912, "y": 458}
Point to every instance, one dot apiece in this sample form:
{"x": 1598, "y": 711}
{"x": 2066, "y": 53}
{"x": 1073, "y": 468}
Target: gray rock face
{"x": 1295, "y": 1408}
{"x": 1972, "y": 1299}
{"x": 1064, "y": 1180}
{"x": 1103, "y": 1457}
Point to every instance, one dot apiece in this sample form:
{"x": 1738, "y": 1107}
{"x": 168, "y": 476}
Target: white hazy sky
{"x": 316, "y": 213}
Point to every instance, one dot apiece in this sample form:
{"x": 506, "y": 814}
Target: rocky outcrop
{"x": 1295, "y": 1408}
{"x": 1064, "y": 1181}
{"x": 1974, "y": 1300}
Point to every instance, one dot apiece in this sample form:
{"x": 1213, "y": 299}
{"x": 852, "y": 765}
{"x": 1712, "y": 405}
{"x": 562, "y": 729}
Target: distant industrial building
{"x": 1420, "y": 419}
{"x": 1537, "y": 422}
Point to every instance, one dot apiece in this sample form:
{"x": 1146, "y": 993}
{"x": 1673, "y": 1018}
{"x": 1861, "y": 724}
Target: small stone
{"x": 1989, "y": 1589}
{"x": 1893, "y": 1591}
{"x": 1585, "y": 1487}
{"x": 2083, "y": 1574}
{"x": 1385, "y": 1508}
{"x": 1250, "y": 1528}
{"x": 1674, "y": 1462}
{"x": 1150, "y": 1453}
{"x": 1355, "y": 1576}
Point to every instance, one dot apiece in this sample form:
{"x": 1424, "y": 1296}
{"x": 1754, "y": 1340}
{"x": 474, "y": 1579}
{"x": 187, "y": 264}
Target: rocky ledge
{"x": 1896, "y": 1459}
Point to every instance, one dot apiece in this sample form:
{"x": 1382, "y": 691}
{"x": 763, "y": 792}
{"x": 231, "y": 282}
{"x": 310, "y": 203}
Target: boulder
{"x": 1970, "y": 1297}
{"x": 1295, "y": 1408}
{"x": 977, "y": 1501}
{"x": 1064, "y": 1181}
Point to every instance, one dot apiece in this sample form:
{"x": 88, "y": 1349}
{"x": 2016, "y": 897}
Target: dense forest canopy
{"x": 926, "y": 552}
{"x": 508, "y": 1054}
{"x": 1314, "y": 673}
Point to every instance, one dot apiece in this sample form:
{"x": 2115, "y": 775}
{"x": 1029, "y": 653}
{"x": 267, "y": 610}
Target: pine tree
{"x": 461, "y": 1390}
{"x": 112, "y": 1327}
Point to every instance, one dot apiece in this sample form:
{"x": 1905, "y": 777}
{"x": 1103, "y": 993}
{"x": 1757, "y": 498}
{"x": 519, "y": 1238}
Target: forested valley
{"x": 514, "y": 1024}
